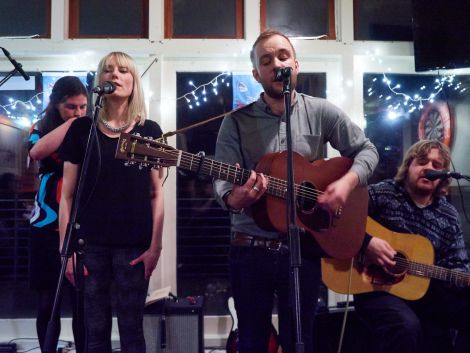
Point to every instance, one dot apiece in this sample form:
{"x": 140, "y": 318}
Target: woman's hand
{"x": 149, "y": 259}
{"x": 69, "y": 270}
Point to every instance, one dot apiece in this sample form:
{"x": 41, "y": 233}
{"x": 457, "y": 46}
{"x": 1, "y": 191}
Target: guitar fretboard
{"x": 437, "y": 272}
{"x": 147, "y": 151}
{"x": 219, "y": 170}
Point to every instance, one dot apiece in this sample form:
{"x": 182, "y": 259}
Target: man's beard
{"x": 278, "y": 94}
{"x": 422, "y": 191}
{"x": 273, "y": 93}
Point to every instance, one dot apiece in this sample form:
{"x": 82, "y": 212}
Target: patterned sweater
{"x": 391, "y": 205}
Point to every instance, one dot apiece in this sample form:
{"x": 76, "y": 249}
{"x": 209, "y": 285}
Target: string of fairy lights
{"x": 32, "y": 105}
{"x": 198, "y": 94}
{"x": 416, "y": 100}
{"x": 26, "y": 112}
{"x": 402, "y": 99}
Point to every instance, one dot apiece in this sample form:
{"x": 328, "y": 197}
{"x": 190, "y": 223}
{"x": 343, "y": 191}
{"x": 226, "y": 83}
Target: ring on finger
{"x": 256, "y": 188}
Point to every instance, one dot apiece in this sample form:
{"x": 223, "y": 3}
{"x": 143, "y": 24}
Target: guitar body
{"x": 232, "y": 340}
{"x": 339, "y": 235}
{"x": 336, "y": 273}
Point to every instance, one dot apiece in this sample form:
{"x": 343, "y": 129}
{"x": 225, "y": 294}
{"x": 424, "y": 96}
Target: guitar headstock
{"x": 145, "y": 151}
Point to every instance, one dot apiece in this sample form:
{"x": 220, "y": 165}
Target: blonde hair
{"x": 420, "y": 150}
{"x": 137, "y": 110}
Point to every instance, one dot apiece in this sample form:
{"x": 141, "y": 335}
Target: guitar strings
{"x": 435, "y": 271}
{"x": 276, "y": 186}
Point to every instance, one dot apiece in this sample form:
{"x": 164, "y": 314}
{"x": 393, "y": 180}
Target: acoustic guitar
{"x": 232, "y": 341}
{"x": 408, "y": 279}
{"x": 339, "y": 234}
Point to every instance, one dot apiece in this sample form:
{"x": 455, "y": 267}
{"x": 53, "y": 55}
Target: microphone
{"x": 282, "y": 73}
{"x": 17, "y": 65}
{"x": 106, "y": 87}
{"x": 443, "y": 174}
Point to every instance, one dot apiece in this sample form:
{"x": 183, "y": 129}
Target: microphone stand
{"x": 293, "y": 229}
{"x": 71, "y": 243}
{"x": 461, "y": 176}
{"x": 8, "y": 76}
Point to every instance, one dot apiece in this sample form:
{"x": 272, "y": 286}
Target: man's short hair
{"x": 266, "y": 35}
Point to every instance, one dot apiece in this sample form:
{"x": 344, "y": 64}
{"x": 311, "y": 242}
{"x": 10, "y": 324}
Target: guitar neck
{"x": 146, "y": 151}
{"x": 227, "y": 172}
{"x": 437, "y": 272}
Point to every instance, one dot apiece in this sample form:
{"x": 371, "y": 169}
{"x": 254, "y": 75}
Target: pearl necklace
{"x": 112, "y": 128}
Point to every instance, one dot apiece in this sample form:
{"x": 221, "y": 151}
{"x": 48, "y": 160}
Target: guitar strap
{"x": 305, "y": 111}
{"x": 240, "y": 139}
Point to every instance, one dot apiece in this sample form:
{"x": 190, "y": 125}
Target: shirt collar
{"x": 261, "y": 104}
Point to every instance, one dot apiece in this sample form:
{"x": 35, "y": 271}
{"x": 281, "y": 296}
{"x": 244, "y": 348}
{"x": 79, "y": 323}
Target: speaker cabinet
{"x": 174, "y": 326}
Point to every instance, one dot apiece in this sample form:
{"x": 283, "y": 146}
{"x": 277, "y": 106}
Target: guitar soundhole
{"x": 393, "y": 274}
{"x": 400, "y": 266}
{"x": 319, "y": 218}
{"x": 306, "y": 197}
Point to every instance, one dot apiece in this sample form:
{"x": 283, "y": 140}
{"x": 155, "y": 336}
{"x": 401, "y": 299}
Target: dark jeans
{"x": 421, "y": 326}
{"x": 44, "y": 268}
{"x": 256, "y": 275}
{"x": 109, "y": 270}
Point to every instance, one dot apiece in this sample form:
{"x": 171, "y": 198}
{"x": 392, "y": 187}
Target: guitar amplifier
{"x": 174, "y": 326}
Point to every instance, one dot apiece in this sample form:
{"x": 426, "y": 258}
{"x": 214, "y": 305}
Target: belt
{"x": 243, "y": 239}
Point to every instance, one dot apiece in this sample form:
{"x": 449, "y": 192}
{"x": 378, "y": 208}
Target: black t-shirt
{"x": 115, "y": 206}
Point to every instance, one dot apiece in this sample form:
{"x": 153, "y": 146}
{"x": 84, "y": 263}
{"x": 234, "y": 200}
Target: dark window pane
{"x": 25, "y": 18}
{"x": 204, "y": 18}
{"x": 441, "y": 34}
{"x": 101, "y": 18}
{"x": 382, "y": 20}
{"x": 303, "y": 18}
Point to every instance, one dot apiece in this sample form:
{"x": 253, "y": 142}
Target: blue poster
{"x": 245, "y": 89}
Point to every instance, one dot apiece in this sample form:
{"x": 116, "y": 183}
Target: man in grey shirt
{"x": 259, "y": 261}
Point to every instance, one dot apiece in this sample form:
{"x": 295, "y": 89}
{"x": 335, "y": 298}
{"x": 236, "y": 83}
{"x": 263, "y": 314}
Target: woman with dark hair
{"x": 67, "y": 102}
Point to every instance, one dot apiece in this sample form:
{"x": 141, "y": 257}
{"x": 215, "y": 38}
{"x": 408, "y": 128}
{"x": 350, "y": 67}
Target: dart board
{"x": 436, "y": 123}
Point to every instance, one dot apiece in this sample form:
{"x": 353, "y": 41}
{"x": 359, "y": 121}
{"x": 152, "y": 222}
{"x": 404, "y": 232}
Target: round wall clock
{"x": 436, "y": 123}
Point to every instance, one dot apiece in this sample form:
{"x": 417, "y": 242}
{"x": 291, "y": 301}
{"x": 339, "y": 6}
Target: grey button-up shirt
{"x": 248, "y": 134}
